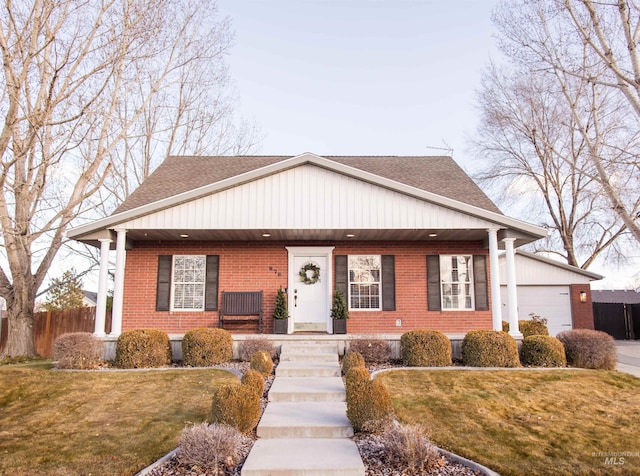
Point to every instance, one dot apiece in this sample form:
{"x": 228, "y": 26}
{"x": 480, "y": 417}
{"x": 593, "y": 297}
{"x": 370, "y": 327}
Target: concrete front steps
{"x": 304, "y": 429}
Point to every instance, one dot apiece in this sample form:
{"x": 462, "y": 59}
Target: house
{"x": 90, "y": 298}
{"x": 547, "y": 288}
{"x": 411, "y": 241}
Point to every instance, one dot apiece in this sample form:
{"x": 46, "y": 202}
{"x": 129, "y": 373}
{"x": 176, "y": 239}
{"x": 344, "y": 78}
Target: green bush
{"x": 206, "y": 347}
{"x": 77, "y": 350}
{"x": 261, "y": 361}
{"x": 142, "y": 348}
{"x": 542, "y": 351}
{"x": 369, "y": 407}
{"x": 351, "y": 360}
{"x": 489, "y": 349}
{"x": 425, "y": 348}
{"x": 255, "y": 380}
{"x": 372, "y": 350}
{"x": 589, "y": 349}
{"x": 237, "y": 406}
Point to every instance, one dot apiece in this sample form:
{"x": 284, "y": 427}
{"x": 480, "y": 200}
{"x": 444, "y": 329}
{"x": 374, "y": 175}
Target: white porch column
{"x": 494, "y": 267}
{"x": 512, "y": 292}
{"x": 101, "y": 304}
{"x": 118, "y": 290}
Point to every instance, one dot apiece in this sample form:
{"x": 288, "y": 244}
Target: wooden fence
{"x": 48, "y": 325}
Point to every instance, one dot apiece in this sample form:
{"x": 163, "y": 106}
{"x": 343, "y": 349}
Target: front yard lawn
{"x": 68, "y": 423}
{"x": 560, "y": 422}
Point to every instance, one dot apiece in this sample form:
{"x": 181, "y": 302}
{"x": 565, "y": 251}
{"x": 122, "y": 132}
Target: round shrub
{"x": 142, "y": 348}
{"x": 542, "y": 351}
{"x": 425, "y": 348}
{"x": 210, "y": 446}
{"x": 207, "y": 346}
{"x": 372, "y": 350}
{"x": 369, "y": 405}
{"x": 237, "y": 406}
{"x": 78, "y": 350}
{"x": 351, "y": 360}
{"x": 261, "y": 362}
{"x": 533, "y": 327}
{"x": 589, "y": 349}
{"x": 248, "y": 347}
{"x": 255, "y": 380}
{"x": 356, "y": 374}
{"x": 489, "y": 349}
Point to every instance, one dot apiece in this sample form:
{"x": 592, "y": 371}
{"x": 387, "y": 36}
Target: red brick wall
{"x": 582, "y": 312}
{"x": 263, "y": 266}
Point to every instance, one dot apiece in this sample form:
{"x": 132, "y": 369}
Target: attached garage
{"x": 556, "y": 291}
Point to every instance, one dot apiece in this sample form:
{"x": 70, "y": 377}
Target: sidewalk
{"x": 629, "y": 356}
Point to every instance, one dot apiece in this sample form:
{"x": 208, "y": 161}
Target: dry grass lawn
{"x": 96, "y": 423}
{"x": 546, "y": 422}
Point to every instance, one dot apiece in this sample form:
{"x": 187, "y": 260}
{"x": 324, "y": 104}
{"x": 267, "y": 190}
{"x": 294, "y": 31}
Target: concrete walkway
{"x": 304, "y": 430}
{"x": 628, "y": 356}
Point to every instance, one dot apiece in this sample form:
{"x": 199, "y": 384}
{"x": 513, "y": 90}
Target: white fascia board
{"x": 500, "y": 220}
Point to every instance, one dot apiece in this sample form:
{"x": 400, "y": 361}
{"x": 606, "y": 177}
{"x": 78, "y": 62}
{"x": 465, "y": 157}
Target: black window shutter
{"x": 163, "y": 286}
{"x": 481, "y": 285}
{"x": 388, "y": 283}
{"x": 433, "y": 283}
{"x": 341, "y": 274}
{"x": 211, "y": 283}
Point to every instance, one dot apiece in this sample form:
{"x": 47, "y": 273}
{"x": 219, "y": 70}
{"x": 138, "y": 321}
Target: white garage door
{"x": 552, "y": 302}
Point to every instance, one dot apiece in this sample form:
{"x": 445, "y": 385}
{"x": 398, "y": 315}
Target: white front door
{"x": 310, "y": 288}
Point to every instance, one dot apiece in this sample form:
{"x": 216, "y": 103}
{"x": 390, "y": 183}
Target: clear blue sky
{"x": 360, "y": 77}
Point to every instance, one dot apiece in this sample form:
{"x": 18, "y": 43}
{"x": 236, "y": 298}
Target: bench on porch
{"x": 241, "y": 307}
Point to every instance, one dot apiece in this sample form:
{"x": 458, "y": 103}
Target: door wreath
{"x": 304, "y": 274}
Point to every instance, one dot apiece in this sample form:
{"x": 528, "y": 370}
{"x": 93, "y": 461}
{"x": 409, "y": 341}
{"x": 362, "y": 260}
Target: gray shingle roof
{"x": 616, "y": 296}
{"x": 439, "y": 175}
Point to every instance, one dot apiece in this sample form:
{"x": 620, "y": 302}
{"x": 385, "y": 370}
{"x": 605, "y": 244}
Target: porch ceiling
{"x": 306, "y": 235}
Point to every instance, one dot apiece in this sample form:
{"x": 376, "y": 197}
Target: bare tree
{"x": 533, "y": 151}
{"x": 588, "y": 50}
{"x": 70, "y": 69}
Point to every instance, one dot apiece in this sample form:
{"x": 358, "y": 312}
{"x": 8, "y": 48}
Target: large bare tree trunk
{"x": 20, "y": 340}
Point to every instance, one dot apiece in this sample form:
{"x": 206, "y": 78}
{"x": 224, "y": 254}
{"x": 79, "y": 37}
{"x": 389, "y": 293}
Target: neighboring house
{"x": 617, "y": 313}
{"x": 90, "y": 298}
{"x": 411, "y": 241}
{"x": 556, "y": 291}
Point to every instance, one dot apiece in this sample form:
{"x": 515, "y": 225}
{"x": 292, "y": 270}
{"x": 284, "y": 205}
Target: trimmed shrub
{"x": 425, "y": 348}
{"x": 78, "y": 350}
{"x": 372, "y": 350}
{"x": 542, "y": 351}
{"x": 261, "y": 362}
{"x": 206, "y": 347}
{"x": 536, "y": 326}
{"x": 489, "y": 349}
{"x": 407, "y": 446}
{"x": 142, "y": 348}
{"x": 247, "y": 348}
{"x": 210, "y": 447}
{"x": 255, "y": 380}
{"x": 237, "y": 406}
{"x": 369, "y": 405}
{"x": 351, "y": 360}
{"x": 589, "y": 349}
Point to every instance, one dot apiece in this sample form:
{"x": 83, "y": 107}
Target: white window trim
{"x": 360, "y": 309}
{"x": 173, "y": 285}
{"x": 471, "y": 283}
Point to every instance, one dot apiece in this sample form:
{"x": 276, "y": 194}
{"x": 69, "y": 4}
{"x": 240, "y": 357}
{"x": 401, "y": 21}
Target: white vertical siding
{"x": 307, "y": 197}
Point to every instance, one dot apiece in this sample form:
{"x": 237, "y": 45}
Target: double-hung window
{"x": 189, "y": 276}
{"x": 365, "y": 282}
{"x": 456, "y": 281}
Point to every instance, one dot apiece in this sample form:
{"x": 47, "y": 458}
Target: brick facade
{"x": 254, "y": 266}
{"x": 582, "y": 312}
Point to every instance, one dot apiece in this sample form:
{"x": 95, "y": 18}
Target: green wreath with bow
{"x": 304, "y": 276}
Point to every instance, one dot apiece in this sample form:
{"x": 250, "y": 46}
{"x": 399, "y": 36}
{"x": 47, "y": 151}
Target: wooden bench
{"x": 243, "y": 306}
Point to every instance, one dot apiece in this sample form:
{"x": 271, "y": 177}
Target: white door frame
{"x": 312, "y": 251}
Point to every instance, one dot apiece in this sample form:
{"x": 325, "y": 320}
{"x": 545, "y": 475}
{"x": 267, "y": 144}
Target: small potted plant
{"x": 339, "y": 313}
{"x": 281, "y": 314}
